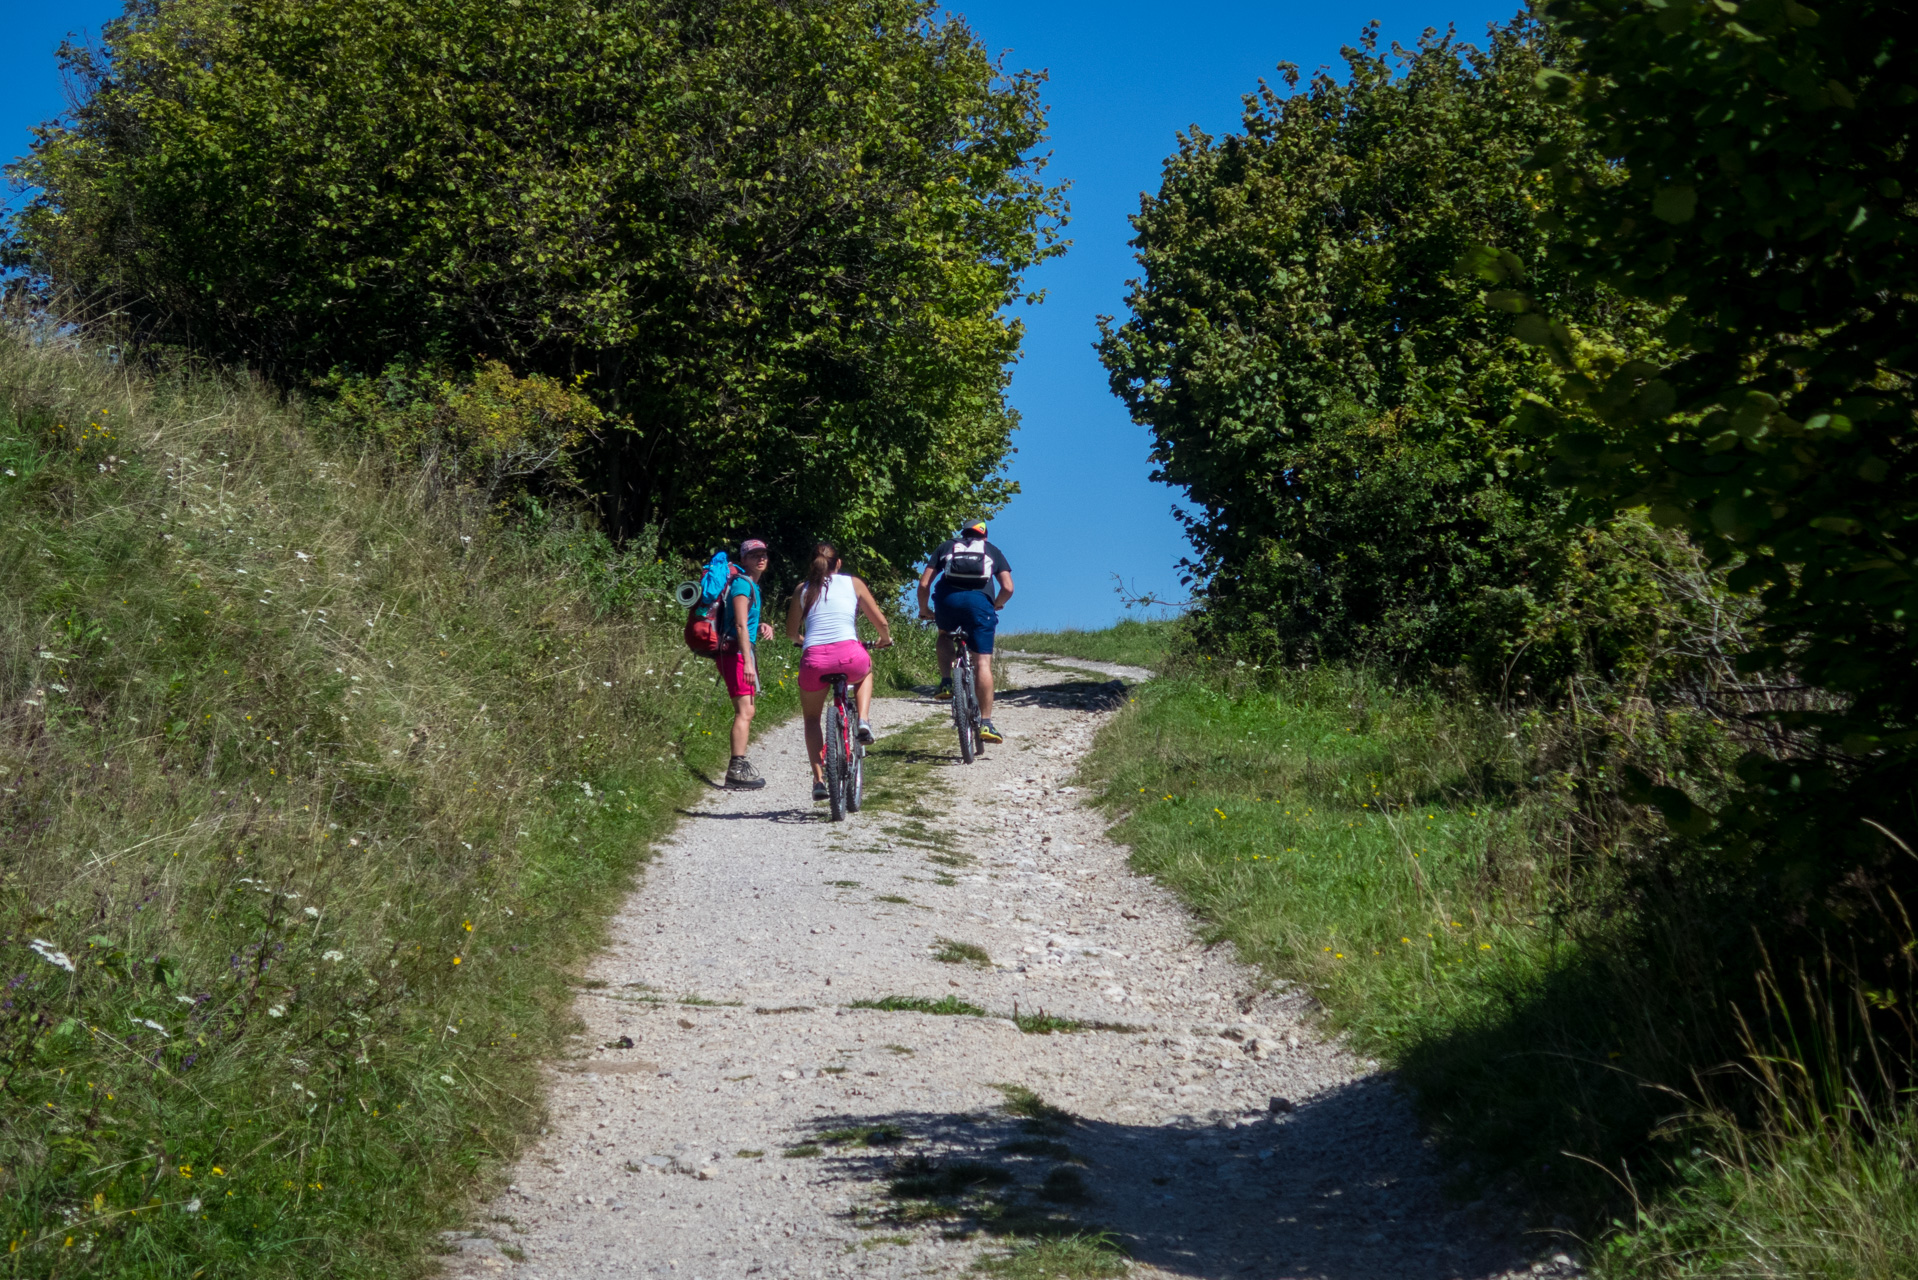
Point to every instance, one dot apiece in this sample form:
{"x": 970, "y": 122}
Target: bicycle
{"x": 965, "y": 699}
{"x": 845, "y": 753}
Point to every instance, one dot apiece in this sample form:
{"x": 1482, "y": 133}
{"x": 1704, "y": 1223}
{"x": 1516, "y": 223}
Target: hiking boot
{"x": 865, "y": 732}
{"x": 741, "y": 776}
{"x": 818, "y": 791}
{"x": 989, "y": 734}
{"x": 944, "y": 691}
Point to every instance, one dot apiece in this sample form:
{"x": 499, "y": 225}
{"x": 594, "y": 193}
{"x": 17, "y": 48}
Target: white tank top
{"x": 834, "y": 615}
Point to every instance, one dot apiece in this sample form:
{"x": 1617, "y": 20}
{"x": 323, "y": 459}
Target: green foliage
{"x": 1760, "y": 147}
{"x": 493, "y": 431}
{"x": 781, "y": 238}
{"x": 322, "y": 802}
{"x": 1334, "y": 395}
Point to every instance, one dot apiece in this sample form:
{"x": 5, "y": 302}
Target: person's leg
{"x": 742, "y": 724}
{"x": 945, "y": 658}
{"x": 862, "y": 697}
{"x": 811, "y": 703}
{"x": 982, "y": 681}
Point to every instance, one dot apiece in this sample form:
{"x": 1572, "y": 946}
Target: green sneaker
{"x": 944, "y": 691}
{"x": 989, "y": 734}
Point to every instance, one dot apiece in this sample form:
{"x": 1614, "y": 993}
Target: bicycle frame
{"x": 965, "y": 698}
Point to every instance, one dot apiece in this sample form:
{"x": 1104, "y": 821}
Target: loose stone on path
{"x": 1217, "y": 1136}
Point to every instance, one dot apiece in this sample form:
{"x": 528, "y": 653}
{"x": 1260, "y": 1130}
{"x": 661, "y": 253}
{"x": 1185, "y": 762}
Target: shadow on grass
{"x": 1340, "y": 1188}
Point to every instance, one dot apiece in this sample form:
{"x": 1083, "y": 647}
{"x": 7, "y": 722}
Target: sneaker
{"x": 865, "y": 732}
{"x": 944, "y": 691}
{"x": 818, "y": 791}
{"x": 989, "y": 734}
{"x": 741, "y": 775}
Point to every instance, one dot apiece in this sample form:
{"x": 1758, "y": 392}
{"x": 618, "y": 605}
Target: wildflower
{"x": 51, "y": 954}
{"x": 446, "y": 1079}
{"x": 148, "y": 1022}
{"x": 314, "y": 912}
{"x": 334, "y": 957}
{"x": 218, "y": 1171}
{"x": 277, "y": 1011}
{"x": 302, "y": 555}
{"x": 456, "y": 959}
{"x": 193, "y": 1205}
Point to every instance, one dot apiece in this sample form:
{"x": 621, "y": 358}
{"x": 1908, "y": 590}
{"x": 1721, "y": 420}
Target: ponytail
{"x": 825, "y": 561}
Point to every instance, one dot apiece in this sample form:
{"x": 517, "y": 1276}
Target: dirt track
{"x": 782, "y": 919}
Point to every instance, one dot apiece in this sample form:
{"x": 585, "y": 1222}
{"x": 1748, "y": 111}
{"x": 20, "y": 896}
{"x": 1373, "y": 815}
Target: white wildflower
{"x": 334, "y": 957}
{"x": 148, "y": 1022}
{"x": 314, "y": 912}
{"x": 302, "y": 555}
{"x": 588, "y": 788}
{"x": 51, "y": 954}
{"x": 193, "y": 1205}
{"x": 183, "y": 999}
{"x": 277, "y": 1011}
{"x": 446, "y": 1079}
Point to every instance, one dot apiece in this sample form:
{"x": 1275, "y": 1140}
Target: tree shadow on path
{"x": 1340, "y": 1188}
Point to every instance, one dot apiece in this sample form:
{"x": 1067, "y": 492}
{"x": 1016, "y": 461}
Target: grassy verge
{"x": 1394, "y": 852}
{"x": 1130, "y": 641}
{"x": 317, "y": 790}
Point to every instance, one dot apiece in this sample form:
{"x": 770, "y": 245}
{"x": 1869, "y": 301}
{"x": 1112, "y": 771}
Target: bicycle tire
{"x": 835, "y": 760}
{"x": 856, "y": 792}
{"x": 962, "y": 708}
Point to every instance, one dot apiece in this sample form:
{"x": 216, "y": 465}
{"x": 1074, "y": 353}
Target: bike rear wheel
{"x": 835, "y": 727}
{"x": 965, "y": 711}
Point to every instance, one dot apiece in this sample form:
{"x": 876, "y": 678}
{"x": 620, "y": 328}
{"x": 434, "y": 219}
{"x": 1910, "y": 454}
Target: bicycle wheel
{"x": 962, "y": 712}
{"x": 835, "y": 728}
{"x": 856, "y": 788}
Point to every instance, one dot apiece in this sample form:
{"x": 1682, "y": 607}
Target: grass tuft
{"x": 946, "y": 1005}
{"x": 953, "y": 952}
{"x": 1080, "y": 1256}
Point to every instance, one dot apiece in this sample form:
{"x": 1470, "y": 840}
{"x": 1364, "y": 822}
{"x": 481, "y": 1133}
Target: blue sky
{"x": 1125, "y": 78}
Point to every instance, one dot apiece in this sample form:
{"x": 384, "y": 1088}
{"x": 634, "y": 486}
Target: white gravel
{"x": 760, "y": 904}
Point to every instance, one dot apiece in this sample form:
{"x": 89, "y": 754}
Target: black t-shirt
{"x": 999, "y": 565}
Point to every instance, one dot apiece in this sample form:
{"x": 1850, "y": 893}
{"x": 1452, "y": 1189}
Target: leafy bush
{"x": 1334, "y": 395}
{"x": 491, "y": 431}
{"x": 782, "y": 239}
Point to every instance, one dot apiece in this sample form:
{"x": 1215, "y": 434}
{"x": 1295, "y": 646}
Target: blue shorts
{"x": 971, "y": 612}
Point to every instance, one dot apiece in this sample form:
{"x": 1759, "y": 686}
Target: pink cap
{"x": 751, "y": 545}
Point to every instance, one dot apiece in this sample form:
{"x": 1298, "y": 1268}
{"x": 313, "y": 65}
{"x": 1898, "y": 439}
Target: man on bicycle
{"x": 975, "y": 581}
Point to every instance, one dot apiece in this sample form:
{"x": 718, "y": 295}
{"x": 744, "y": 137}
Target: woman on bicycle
{"x": 824, "y": 618}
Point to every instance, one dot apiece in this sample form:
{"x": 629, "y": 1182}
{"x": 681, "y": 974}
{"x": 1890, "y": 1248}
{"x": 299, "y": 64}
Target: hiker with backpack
{"x": 723, "y": 625}
{"x": 975, "y": 581}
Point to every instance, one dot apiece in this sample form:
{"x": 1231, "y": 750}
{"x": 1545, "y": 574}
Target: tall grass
{"x": 316, "y": 791}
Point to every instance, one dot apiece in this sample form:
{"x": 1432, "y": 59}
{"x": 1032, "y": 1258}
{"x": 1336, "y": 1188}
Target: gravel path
{"x": 1218, "y": 1137}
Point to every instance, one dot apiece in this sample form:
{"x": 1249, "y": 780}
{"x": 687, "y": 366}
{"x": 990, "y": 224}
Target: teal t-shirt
{"x": 741, "y": 586}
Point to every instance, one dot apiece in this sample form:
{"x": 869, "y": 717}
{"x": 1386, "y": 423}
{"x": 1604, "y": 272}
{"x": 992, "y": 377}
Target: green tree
{"x": 1335, "y": 396}
{"x": 781, "y": 236}
{"x": 1767, "y": 201}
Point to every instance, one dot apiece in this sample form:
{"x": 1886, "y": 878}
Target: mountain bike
{"x": 845, "y": 753}
{"x": 965, "y": 699}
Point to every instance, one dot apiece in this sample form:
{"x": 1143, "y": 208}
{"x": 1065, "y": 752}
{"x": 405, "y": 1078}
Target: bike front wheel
{"x": 965, "y": 712}
{"x": 835, "y": 727}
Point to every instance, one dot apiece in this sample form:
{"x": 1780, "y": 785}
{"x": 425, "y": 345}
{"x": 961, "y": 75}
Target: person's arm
{"x": 925, "y": 590}
{"x": 1005, "y": 589}
{"x": 874, "y": 614}
{"x": 742, "y": 614}
{"x": 796, "y": 616}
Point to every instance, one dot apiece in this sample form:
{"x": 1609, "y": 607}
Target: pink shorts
{"x": 846, "y": 658}
{"x": 732, "y": 670}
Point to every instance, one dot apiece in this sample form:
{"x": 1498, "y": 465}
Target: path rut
{"x": 731, "y": 972}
